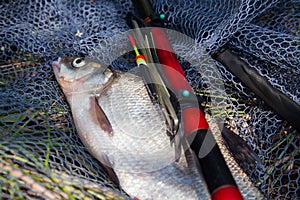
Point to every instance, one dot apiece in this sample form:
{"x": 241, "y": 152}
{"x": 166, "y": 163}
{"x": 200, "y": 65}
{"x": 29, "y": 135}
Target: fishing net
{"x": 41, "y": 155}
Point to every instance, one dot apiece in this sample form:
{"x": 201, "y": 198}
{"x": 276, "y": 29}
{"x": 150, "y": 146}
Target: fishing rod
{"x": 216, "y": 173}
{"x": 278, "y": 101}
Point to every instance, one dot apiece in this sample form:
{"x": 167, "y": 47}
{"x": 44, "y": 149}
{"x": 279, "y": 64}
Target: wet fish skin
{"x": 121, "y": 127}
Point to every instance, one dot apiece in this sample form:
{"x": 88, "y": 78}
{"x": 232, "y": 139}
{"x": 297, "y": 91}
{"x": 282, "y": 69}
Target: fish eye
{"x": 78, "y": 62}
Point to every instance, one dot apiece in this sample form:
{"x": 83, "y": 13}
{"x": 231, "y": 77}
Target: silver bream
{"x": 122, "y": 128}
{"x": 118, "y": 123}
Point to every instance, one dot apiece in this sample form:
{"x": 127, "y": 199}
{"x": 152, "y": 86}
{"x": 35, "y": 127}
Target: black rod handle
{"x": 144, "y": 8}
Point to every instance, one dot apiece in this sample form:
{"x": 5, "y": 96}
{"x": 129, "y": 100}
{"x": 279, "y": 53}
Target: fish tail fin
{"x": 240, "y": 150}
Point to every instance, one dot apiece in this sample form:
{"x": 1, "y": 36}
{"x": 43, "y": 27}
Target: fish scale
{"x": 143, "y": 132}
{"x": 135, "y": 109}
{"x": 171, "y": 180}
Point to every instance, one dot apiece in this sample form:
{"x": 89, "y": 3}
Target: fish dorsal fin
{"x": 100, "y": 116}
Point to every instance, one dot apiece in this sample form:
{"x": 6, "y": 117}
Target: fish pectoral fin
{"x": 113, "y": 176}
{"x": 99, "y": 116}
{"x": 110, "y": 171}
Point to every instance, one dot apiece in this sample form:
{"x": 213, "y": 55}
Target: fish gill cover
{"x": 41, "y": 155}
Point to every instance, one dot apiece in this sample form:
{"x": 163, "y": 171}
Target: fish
{"x": 123, "y": 129}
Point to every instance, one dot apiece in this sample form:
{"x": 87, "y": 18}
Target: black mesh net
{"x": 41, "y": 155}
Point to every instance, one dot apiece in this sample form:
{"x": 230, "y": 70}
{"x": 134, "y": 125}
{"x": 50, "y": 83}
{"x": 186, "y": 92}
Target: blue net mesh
{"x": 40, "y": 152}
